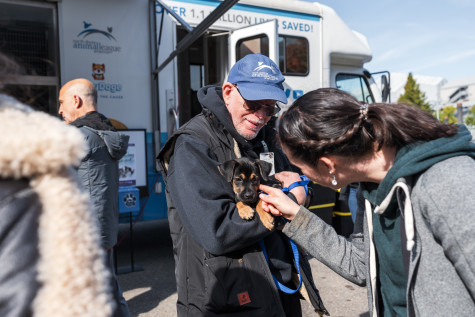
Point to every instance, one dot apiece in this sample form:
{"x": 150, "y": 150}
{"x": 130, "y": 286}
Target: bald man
{"x": 99, "y": 170}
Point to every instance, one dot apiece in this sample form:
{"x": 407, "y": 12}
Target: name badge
{"x": 269, "y": 158}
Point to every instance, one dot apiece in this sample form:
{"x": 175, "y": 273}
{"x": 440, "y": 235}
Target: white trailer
{"x": 148, "y": 58}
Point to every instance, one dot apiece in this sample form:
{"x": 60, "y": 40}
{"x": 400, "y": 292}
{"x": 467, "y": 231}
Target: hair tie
{"x": 364, "y": 111}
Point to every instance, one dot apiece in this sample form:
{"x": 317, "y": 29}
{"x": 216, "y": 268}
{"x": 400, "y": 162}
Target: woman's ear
{"x": 329, "y": 163}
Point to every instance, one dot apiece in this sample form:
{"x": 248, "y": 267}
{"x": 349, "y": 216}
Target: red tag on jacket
{"x": 244, "y": 298}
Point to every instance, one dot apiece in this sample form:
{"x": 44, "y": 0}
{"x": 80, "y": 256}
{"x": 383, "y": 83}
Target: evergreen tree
{"x": 413, "y": 96}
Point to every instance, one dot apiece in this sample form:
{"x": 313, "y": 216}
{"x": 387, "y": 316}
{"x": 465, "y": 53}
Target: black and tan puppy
{"x": 245, "y": 175}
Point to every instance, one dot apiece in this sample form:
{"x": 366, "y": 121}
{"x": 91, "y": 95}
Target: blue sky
{"x": 432, "y": 38}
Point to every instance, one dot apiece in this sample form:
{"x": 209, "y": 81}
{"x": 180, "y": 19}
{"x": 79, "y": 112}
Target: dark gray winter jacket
{"x": 99, "y": 174}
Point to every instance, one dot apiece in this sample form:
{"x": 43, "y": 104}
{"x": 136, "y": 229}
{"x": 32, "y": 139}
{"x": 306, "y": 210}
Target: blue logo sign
{"x": 96, "y": 46}
{"x": 130, "y": 200}
{"x": 87, "y": 31}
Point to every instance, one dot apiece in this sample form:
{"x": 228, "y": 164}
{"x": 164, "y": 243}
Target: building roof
{"x": 464, "y": 81}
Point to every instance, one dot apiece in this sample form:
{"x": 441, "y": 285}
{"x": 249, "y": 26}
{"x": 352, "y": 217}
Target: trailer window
{"x": 252, "y": 45}
{"x": 356, "y": 85}
{"x": 197, "y": 74}
{"x": 293, "y": 55}
{"x": 29, "y": 35}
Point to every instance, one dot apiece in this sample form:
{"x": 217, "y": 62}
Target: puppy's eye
{"x": 255, "y": 181}
{"x": 237, "y": 179}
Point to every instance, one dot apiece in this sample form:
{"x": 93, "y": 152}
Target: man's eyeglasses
{"x": 254, "y": 106}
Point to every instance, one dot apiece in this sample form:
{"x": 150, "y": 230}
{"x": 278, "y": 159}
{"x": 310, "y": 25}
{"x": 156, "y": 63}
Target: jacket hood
{"x": 416, "y": 158}
{"x": 96, "y": 122}
{"x": 212, "y": 97}
{"x": 117, "y": 143}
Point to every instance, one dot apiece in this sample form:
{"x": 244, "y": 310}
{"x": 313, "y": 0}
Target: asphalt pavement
{"x": 150, "y": 289}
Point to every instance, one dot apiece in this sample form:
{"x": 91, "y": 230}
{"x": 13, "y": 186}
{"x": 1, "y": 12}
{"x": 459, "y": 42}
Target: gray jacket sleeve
{"x": 19, "y": 211}
{"x": 344, "y": 256}
{"x": 445, "y": 196}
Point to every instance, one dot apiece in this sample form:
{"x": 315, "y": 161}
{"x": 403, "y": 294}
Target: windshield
{"x": 356, "y": 85}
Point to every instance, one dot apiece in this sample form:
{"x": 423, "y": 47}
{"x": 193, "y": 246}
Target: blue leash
{"x": 279, "y": 285}
{"x": 304, "y": 182}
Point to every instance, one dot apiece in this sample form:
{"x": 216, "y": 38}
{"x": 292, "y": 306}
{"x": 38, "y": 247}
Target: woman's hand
{"x": 277, "y": 203}
{"x": 287, "y": 179}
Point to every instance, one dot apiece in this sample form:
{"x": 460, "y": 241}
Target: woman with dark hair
{"x": 414, "y": 246}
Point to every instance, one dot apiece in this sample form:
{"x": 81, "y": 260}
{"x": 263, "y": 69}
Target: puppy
{"x": 245, "y": 175}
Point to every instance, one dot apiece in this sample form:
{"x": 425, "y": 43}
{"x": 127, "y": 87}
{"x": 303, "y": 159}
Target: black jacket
{"x": 19, "y": 211}
{"x": 219, "y": 264}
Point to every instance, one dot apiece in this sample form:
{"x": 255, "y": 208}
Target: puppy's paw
{"x": 267, "y": 220}
{"x": 245, "y": 212}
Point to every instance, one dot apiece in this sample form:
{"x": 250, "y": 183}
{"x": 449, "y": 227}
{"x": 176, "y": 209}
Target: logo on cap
{"x": 259, "y": 71}
{"x": 264, "y": 66}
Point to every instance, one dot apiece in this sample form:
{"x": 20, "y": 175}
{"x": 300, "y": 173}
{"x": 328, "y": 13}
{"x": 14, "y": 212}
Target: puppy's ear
{"x": 264, "y": 168}
{"x": 227, "y": 169}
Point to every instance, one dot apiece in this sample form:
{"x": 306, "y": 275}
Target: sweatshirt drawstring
{"x": 408, "y": 224}
{"x": 407, "y": 212}
{"x": 372, "y": 255}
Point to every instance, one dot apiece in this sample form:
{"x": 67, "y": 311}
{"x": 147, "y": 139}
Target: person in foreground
{"x": 414, "y": 246}
{"x": 99, "y": 168}
{"x": 50, "y": 256}
{"x": 219, "y": 266}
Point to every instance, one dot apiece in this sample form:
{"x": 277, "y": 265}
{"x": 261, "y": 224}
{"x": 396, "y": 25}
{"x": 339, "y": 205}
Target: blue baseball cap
{"x": 258, "y": 78}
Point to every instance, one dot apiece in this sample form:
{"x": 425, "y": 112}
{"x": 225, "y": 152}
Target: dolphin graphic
{"x": 88, "y": 32}
{"x": 260, "y": 67}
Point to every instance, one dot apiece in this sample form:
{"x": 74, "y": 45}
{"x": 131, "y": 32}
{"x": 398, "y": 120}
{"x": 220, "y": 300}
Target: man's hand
{"x": 287, "y": 179}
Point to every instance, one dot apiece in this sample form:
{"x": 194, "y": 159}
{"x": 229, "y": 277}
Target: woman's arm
{"x": 346, "y": 257}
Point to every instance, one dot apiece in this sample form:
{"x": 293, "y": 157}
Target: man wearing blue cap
{"x": 219, "y": 265}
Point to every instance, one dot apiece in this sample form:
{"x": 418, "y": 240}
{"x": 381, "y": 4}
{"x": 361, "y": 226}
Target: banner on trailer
{"x": 107, "y": 43}
{"x": 242, "y": 15}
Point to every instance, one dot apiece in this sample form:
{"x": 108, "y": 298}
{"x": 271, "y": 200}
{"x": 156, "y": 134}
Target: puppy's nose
{"x": 248, "y": 195}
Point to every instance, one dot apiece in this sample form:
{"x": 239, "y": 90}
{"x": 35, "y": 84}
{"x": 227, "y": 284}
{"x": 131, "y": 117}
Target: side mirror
{"x": 385, "y": 88}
